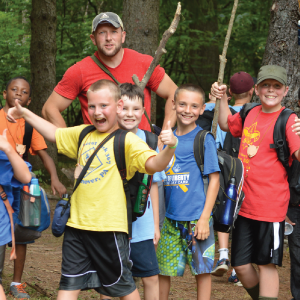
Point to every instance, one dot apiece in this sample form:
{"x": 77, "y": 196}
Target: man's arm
{"x": 53, "y": 107}
{"x": 220, "y": 93}
{"x": 155, "y": 205}
{"x": 166, "y": 90}
{"x": 48, "y": 162}
{"x": 45, "y": 128}
{"x": 202, "y": 227}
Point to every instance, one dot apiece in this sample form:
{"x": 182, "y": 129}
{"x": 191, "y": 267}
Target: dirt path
{"x": 43, "y": 270}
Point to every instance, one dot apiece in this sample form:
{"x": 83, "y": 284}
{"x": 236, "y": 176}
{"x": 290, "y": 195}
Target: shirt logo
{"x": 251, "y": 135}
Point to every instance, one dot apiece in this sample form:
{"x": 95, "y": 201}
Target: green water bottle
{"x": 35, "y": 205}
{"x": 141, "y": 199}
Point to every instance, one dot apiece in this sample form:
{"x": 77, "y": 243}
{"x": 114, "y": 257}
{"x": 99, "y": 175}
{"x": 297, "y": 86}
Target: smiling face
{"x": 131, "y": 115}
{"x": 103, "y": 108}
{"x": 271, "y": 93}
{"x": 18, "y": 89}
{"x": 188, "y": 106}
{"x": 108, "y": 39}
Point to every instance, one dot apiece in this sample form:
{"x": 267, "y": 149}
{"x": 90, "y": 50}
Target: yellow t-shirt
{"x": 99, "y": 202}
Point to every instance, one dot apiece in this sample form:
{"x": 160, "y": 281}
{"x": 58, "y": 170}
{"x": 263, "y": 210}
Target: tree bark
{"x": 282, "y": 46}
{"x": 141, "y": 22}
{"x": 42, "y": 59}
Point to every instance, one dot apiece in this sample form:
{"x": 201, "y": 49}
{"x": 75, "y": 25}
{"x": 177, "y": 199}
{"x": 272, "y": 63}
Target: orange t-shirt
{"x": 16, "y": 131}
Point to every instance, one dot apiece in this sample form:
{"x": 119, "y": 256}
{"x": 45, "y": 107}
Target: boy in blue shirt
{"x": 14, "y": 172}
{"x": 187, "y": 236}
{"x": 145, "y": 230}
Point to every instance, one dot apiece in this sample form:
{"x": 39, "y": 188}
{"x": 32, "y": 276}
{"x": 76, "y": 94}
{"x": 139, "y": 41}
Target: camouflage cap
{"x": 107, "y": 17}
{"x": 272, "y": 72}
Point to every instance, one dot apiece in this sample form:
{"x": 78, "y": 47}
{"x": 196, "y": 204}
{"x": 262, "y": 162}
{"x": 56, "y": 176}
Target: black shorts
{"x": 144, "y": 259}
{"x": 257, "y": 242}
{"x": 98, "y": 260}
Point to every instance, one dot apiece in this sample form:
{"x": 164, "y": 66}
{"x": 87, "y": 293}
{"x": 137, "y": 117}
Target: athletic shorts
{"x": 98, "y": 260}
{"x": 257, "y": 242}
{"x": 143, "y": 257}
{"x": 178, "y": 247}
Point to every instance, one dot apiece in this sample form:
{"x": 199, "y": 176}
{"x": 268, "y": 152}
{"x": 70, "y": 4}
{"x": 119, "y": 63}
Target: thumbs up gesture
{"x": 167, "y": 136}
{"x": 16, "y": 112}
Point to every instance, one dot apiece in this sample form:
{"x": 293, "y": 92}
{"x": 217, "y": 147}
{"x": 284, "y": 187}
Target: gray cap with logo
{"x": 107, "y": 17}
{"x": 272, "y": 72}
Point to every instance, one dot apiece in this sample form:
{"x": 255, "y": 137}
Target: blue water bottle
{"x": 228, "y": 203}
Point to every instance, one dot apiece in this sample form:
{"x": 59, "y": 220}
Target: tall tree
{"x": 141, "y": 21}
{"x": 282, "y": 46}
{"x": 42, "y": 56}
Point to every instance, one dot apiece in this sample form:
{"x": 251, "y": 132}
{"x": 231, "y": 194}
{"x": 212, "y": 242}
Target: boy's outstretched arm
{"x": 220, "y": 93}
{"x": 155, "y": 205}
{"x": 21, "y": 171}
{"x": 202, "y": 227}
{"x": 46, "y": 129}
{"x": 159, "y": 162}
{"x": 48, "y": 162}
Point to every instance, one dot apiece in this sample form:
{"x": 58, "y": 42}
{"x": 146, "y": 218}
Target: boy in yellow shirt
{"x": 96, "y": 246}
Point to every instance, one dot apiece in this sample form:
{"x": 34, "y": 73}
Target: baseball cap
{"x": 107, "y": 17}
{"x": 272, "y": 72}
{"x": 241, "y": 82}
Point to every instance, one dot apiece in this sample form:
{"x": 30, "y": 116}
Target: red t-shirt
{"x": 78, "y": 78}
{"x": 266, "y": 187}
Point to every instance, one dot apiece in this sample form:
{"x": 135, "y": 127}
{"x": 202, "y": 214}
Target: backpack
{"x": 282, "y": 149}
{"x": 229, "y": 167}
{"x": 130, "y": 187}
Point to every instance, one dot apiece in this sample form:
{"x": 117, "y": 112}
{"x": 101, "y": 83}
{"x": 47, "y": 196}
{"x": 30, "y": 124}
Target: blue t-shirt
{"x": 143, "y": 227}
{"x": 185, "y": 198}
{"x": 8, "y": 182}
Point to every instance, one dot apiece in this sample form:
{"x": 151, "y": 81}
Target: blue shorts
{"x": 144, "y": 259}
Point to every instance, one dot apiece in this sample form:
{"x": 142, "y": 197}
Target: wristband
{"x": 175, "y": 144}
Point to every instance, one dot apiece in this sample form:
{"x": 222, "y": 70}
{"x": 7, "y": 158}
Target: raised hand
{"x": 167, "y": 136}
{"x": 218, "y": 91}
{"x": 15, "y": 113}
{"x": 4, "y": 144}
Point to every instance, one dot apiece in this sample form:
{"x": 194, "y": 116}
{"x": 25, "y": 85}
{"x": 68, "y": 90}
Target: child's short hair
{"x": 191, "y": 88}
{"x": 131, "y": 91}
{"x": 104, "y": 83}
{"x": 18, "y": 77}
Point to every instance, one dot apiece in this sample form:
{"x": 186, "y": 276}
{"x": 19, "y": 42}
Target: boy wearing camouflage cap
{"x": 259, "y": 230}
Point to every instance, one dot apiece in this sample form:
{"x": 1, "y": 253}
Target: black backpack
{"x": 130, "y": 187}
{"x": 26, "y": 139}
{"x": 282, "y": 150}
{"x": 229, "y": 167}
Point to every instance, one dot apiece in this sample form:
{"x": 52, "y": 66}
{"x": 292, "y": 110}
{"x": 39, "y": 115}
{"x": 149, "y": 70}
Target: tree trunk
{"x": 141, "y": 22}
{"x": 42, "y": 59}
{"x": 282, "y": 46}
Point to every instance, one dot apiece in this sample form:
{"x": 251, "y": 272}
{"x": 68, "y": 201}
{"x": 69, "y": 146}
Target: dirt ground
{"x": 42, "y": 273}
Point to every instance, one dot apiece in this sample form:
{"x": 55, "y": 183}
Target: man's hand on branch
{"x": 15, "y": 113}
{"x": 167, "y": 137}
{"x": 218, "y": 91}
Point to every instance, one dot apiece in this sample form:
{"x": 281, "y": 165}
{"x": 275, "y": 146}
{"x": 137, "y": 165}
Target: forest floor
{"x": 42, "y": 273}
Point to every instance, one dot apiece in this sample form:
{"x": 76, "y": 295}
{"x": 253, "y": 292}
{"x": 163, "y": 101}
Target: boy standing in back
{"x": 259, "y": 229}
{"x": 187, "y": 236}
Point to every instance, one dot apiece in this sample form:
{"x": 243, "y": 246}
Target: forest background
{"x": 41, "y": 39}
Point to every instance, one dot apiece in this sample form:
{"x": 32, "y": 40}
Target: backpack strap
{"x": 246, "y": 109}
{"x": 151, "y": 139}
{"x": 199, "y": 154}
{"x": 27, "y": 139}
{"x": 83, "y": 133}
{"x": 119, "y": 151}
{"x": 279, "y": 138}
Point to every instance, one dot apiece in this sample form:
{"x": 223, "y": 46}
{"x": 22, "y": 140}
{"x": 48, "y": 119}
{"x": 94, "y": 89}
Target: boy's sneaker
{"x": 18, "y": 291}
{"x": 234, "y": 279}
{"x": 221, "y": 267}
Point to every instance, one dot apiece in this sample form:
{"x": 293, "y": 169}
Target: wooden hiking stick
{"x": 223, "y": 61}
{"x": 159, "y": 52}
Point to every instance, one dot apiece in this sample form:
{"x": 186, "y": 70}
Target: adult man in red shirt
{"x": 108, "y": 35}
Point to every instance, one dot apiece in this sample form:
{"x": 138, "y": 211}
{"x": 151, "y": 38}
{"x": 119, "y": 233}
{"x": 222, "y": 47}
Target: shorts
{"x": 257, "y": 242}
{"x": 98, "y": 260}
{"x": 178, "y": 247}
{"x": 144, "y": 259}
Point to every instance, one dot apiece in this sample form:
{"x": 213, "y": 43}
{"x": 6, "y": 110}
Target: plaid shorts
{"x": 178, "y": 247}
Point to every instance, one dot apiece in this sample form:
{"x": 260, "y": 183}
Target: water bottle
{"x": 35, "y": 205}
{"x": 141, "y": 199}
{"x": 299, "y": 32}
{"x": 228, "y": 204}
